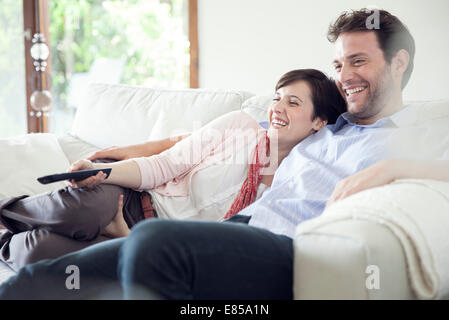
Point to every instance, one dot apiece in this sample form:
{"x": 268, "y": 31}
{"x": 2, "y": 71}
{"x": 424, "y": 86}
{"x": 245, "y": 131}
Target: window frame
{"x": 30, "y": 10}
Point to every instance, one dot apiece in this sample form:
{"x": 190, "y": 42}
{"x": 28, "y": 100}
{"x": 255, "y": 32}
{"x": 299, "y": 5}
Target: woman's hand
{"x": 116, "y": 153}
{"x": 118, "y": 227}
{"x": 379, "y": 174}
{"x": 90, "y": 182}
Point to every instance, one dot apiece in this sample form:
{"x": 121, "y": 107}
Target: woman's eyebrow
{"x": 293, "y": 96}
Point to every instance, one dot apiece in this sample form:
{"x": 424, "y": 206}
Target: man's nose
{"x": 346, "y": 74}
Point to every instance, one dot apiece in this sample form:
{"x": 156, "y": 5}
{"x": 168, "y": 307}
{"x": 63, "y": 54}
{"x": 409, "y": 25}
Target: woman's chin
{"x": 276, "y": 136}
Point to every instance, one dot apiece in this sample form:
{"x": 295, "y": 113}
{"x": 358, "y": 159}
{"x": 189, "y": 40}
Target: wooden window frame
{"x": 193, "y": 39}
{"x": 31, "y": 7}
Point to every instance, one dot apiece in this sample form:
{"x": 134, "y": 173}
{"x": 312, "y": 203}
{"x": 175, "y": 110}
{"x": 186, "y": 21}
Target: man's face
{"x": 363, "y": 76}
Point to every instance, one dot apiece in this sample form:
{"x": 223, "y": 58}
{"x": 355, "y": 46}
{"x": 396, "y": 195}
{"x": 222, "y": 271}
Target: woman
{"x": 232, "y": 150}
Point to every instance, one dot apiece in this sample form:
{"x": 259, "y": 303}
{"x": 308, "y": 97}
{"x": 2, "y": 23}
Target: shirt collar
{"x": 346, "y": 118}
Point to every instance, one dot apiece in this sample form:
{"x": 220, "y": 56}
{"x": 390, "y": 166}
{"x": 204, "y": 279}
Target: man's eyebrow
{"x": 351, "y": 56}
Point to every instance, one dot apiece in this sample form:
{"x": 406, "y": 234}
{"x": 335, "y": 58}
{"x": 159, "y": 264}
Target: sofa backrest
{"x": 122, "y": 114}
{"x": 435, "y": 112}
{"x": 257, "y": 106}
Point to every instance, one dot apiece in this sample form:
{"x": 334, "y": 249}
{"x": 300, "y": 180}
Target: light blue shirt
{"x": 306, "y": 178}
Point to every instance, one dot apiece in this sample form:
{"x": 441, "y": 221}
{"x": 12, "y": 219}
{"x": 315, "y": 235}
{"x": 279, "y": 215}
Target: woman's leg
{"x": 90, "y": 273}
{"x": 73, "y": 212}
{"x": 205, "y": 260}
{"x": 18, "y": 250}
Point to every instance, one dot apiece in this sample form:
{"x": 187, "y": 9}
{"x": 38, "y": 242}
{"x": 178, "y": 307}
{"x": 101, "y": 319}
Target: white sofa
{"x": 330, "y": 260}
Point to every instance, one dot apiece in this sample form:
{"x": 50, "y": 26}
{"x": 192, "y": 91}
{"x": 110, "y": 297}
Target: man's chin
{"x": 356, "y": 108}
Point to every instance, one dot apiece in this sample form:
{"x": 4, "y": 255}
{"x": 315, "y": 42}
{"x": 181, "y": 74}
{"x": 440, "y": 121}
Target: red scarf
{"x": 248, "y": 192}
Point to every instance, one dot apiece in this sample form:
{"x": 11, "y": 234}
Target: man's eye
{"x": 359, "y": 61}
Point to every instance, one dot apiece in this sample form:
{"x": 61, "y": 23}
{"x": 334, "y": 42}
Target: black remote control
{"x": 76, "y": 175}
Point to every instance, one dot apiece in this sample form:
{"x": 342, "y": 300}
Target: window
{"x": 13, "y": 120}
{"x": 136, "y": 42}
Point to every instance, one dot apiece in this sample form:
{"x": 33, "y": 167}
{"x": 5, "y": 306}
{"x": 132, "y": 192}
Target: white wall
{"x": 249, "y": 44}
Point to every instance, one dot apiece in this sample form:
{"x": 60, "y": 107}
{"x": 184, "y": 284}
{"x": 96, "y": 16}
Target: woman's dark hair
{"x": 391, "y": 33}
{"x": 327, "y": 101}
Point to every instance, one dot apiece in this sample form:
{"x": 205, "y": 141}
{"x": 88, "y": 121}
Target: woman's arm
{"x": 125, "y": 173}
{"x": 137, "y": 150}
{"x": 387, "y": 171}
{"x": 149, "y": 172}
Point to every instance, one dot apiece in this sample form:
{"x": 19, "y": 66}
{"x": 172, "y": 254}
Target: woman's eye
{"x": 294, "y": 103}
{"x": 275, "y": 99}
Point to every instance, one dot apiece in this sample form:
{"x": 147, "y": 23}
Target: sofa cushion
{"x": 426, "y": 113}
{"x": 122, "y": 114}
{"x": 257, "y": 107}
{"x": 75, "y": 148}
{"x": 27, "y": 157}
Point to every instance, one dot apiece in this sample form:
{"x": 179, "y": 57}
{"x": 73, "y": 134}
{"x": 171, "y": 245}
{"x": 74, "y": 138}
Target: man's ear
{"x": 400, "y": 61}
{"x": 318, "y": 124}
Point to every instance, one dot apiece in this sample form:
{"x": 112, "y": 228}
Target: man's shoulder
{"x": 318, "y": 138}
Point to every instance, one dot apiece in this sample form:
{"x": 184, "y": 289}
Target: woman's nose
{"x": 278, "y": 106}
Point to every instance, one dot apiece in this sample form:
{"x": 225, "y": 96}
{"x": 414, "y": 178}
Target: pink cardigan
{"x": 170, "y": 172}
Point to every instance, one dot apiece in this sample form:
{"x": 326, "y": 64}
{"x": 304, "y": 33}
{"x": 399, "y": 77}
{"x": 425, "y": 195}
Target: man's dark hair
{"x": 327, "y": 101}
{"x": 391, "y": 34}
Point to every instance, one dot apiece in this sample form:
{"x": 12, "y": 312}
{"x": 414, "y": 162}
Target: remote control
{"x": 76, "y": 175}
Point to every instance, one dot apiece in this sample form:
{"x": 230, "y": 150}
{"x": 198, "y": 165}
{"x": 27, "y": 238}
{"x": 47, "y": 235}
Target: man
{"x": 250, "y": 256}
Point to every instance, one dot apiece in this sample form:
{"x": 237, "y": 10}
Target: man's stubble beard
{"x": 377, "y": 98}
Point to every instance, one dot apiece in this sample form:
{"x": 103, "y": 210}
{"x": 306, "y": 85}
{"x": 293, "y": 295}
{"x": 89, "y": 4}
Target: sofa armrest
{"x": 399, "y": 228}
{"x": 332, "y": 262}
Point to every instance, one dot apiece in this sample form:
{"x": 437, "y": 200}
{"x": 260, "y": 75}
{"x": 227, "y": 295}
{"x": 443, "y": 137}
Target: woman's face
{"x": 290, "y": 114}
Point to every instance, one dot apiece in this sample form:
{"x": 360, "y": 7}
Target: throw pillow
{"x": 24, "y": 158}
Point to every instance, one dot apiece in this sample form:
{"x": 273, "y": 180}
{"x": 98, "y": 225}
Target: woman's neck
{"x": 282, "y": 152}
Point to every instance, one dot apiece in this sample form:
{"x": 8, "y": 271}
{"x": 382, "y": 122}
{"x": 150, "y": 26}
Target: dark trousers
{"x": 52, "y": 224}
{"x": 169, "y": 259}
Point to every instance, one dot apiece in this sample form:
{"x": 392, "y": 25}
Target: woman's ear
{"x": 318, "y": 124}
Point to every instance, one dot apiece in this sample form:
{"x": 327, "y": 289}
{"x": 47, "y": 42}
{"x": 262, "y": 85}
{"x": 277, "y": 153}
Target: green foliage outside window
{"x": 150, "y": 35}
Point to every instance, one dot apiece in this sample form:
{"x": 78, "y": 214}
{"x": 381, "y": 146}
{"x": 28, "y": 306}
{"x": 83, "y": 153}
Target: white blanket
{"x": 417, "y": 213}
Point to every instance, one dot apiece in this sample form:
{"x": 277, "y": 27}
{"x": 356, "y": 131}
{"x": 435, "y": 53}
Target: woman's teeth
{"x": 279, "y": 123}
